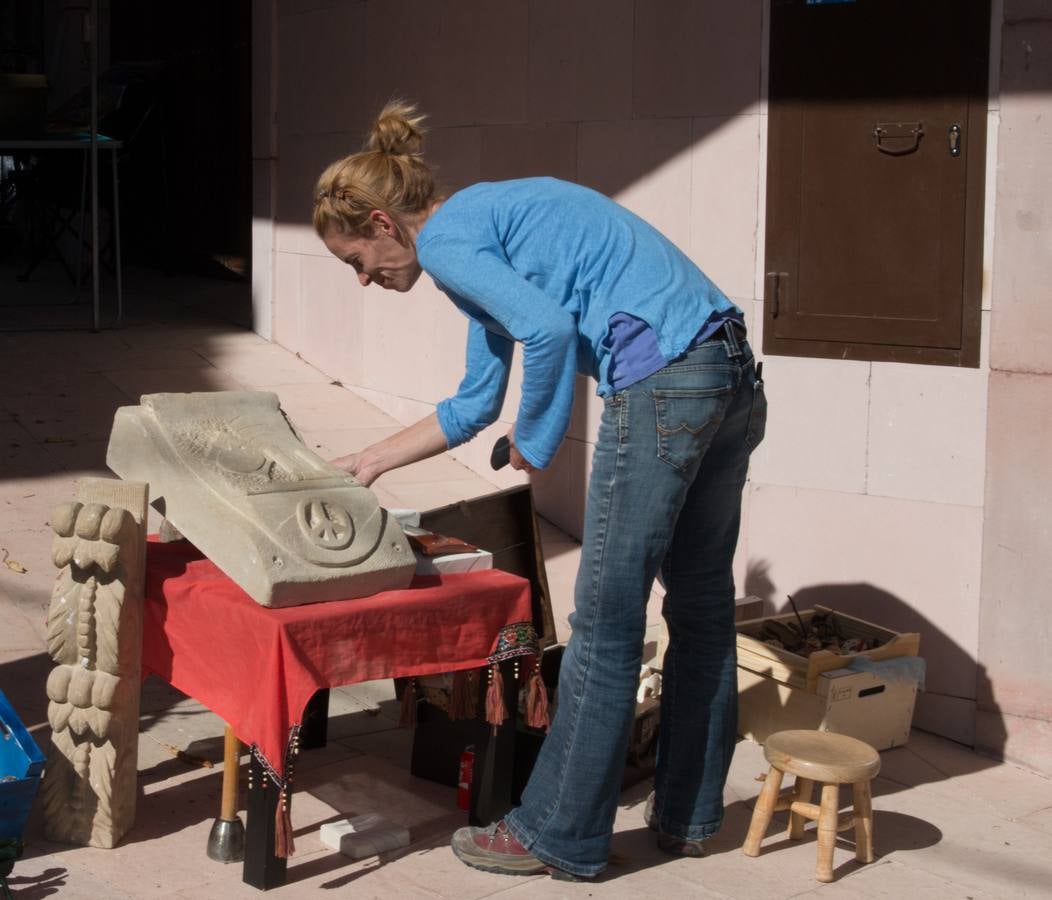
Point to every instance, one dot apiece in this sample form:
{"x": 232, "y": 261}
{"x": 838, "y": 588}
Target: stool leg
{"x": 761, "y": 815}
{"x": 803, "y": 789}
{"x": 827, "y": 821}
{"x": 863, "y": 822}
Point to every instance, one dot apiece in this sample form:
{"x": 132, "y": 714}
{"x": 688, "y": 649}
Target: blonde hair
{"x": 389, "y": 174}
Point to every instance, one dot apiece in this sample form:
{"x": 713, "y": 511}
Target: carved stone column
{"x": 95, "y": 638}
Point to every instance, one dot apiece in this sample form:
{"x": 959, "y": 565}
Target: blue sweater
{"x": 547, "y": 263}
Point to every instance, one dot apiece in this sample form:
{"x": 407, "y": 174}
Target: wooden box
{"x": 505, "y": 524}
{"x": 779, "y": 689}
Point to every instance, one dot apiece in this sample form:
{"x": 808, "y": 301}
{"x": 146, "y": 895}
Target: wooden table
{"x": 270, "y": 681}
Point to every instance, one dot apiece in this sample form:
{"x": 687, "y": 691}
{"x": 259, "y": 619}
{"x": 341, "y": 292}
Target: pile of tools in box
{"x": 820, "y": 632}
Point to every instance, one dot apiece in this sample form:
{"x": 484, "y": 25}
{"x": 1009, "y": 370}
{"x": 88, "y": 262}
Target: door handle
{"x": 774, "y": 291}
{"x": 898, "y": 138}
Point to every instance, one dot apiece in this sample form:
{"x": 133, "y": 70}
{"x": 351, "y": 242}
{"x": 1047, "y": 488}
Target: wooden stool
{"x": 831, "y": 760}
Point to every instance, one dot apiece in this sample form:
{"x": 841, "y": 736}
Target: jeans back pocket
{"x": 687, "y": 420}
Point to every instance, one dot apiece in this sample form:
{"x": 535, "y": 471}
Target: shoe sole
{"x": 484, "y": 863}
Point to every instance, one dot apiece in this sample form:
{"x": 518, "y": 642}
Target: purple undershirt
{"x": 634, "y": 353}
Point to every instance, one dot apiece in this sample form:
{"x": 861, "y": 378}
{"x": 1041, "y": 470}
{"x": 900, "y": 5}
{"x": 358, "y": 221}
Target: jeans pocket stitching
{"x": 663, "y": 432}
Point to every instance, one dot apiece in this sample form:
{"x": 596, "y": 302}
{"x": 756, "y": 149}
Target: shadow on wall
{"x": 953, "y": 678}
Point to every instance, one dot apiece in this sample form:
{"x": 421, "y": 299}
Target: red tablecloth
{"x": 257, "y": 668}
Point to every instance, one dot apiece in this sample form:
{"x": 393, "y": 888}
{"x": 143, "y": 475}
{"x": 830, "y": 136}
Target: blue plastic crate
{"x": 21, "y": 765}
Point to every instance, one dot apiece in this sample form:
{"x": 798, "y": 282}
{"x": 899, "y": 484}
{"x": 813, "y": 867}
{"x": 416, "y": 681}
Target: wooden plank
{"x": 763, "y": 665}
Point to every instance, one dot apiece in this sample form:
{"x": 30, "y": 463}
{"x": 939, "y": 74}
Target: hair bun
{"x": 398, "y": 130}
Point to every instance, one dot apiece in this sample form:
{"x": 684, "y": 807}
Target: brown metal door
{"x": 876, "y": 132}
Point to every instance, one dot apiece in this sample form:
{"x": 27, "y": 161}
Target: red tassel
{"x": 496, "y": 711}
{"x": 458, "y": 697}
{"x": 284, "y": 844}
{"x": 408, "y": 717}
{"x": 537, "y": 702}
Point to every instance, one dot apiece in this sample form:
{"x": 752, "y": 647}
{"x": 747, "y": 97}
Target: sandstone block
{"x": 95, "y": 639}
{"x": 229, "y": 471}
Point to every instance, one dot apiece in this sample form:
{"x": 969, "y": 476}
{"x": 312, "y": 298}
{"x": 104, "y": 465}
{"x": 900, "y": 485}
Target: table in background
{"x": 12, "y": 146}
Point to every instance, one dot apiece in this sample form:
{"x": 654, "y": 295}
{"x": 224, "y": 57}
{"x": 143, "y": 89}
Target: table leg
{"x": 491, "y": 783}
{"x": 116, "y": 223}
{"x": 262, "y": 868}
{"x": 226, "y": 842}
{"x": 314, "y": 732}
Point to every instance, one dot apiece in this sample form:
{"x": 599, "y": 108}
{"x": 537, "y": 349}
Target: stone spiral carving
{"x": 95, "y": 638}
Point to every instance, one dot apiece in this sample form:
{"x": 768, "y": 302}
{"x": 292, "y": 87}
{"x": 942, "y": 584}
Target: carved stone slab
{"x": 95, "y": 639}
{"x": 230, "y": 472}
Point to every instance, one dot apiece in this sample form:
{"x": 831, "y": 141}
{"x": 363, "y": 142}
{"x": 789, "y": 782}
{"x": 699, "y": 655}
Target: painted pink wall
{"x": 870, "y": 493}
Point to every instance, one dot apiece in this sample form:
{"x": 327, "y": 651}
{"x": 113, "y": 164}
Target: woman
{"x": 584, "y": 285}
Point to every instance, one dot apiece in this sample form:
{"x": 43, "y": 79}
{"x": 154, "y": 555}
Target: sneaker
{"x": 674, "y": 846}
{"x": 495, "y": 849}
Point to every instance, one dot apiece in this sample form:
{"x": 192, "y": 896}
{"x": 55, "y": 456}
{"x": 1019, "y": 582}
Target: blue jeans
{"x": 665, "y": 494}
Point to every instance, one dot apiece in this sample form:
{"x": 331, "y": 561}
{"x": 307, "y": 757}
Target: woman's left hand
{"x": 516, "y": 459}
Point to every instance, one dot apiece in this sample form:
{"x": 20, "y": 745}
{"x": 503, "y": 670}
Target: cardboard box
{"x": 779, "y": 689}
{"x": 856, "y": 703}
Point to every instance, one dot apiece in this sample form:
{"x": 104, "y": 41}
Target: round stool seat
{"x": 822, "y": 756}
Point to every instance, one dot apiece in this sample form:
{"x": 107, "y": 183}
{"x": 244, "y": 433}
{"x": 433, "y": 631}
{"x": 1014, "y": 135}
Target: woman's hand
{"x": 358, "y": 465}
{"x": 516, "y": 459}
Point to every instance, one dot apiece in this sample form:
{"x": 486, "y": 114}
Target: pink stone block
{"x": 927, "y": 433}
{"x": 552, "y": 489}
{"x": 288, "y": 299}
{"x": 331, "y": 316}
{"x": 1018, "y": 739}
{"x": 725, "y": 162}
{"x": 416, "y": 343}
{"x": 1018, "y": 521}
{"x": 303, "y": 157}
{"x": 489, "y": 69}
{"x": 322, "y": 70}
{"x": 587, "y": 410}
{"x": 520, "y": 151}
{"x": 645, "y": 165}
{"x": 805, "y": 446}
{"x": 696, "y": 59}
{"x": 423, "y": 34}
{"x": 456, "y": 156}
{"x": 572, "y": 76}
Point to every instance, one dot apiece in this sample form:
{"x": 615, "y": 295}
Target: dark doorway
{"x": 188, "y": 167}
{"x": 876, "y": 160}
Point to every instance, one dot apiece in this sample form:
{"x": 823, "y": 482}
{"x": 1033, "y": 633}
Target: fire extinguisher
{"x": 467, "y": 768}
